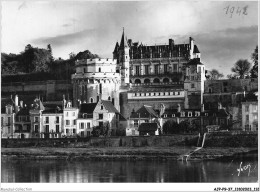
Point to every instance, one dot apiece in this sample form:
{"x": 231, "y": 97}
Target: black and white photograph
{"x": 129, "y": 95}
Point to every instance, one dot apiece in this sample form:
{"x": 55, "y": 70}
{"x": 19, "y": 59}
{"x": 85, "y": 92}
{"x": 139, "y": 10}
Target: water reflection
{"x": 59, "y": 171}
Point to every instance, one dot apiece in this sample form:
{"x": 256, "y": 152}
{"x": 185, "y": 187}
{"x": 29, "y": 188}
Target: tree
{"x": 254, "y": 57}
{"x": 170, "y": 127}
{"x": 241, "y": 68}
{"x": 231, "y": 76}
{"x": 214, "y": 74}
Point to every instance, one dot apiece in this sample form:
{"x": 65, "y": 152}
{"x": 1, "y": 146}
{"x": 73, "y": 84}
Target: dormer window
{"x": 182, "y": 114}
{"x": 165, "y": 115}
{"x": 101, "y": 107}
{"x": 206, "y": 114}
{"x": 197, "y": 113}
{"x": 189, "y": 114}
{"x": 173, "y": 115}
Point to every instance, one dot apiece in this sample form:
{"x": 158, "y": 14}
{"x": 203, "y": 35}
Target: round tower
{"x": 96, "y": 79}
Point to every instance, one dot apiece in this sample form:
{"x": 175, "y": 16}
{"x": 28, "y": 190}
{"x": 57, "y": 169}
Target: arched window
{"x": 138, "y": 81}
{"x": 147, "y": 81}
{"x": 166, "y": 80}
{"x": 109, "y": 98}
{"x": 130, "y": 81}
{"x": 99, "y": 69}
{"x": 156, "y": 80}
{"x": 91, "y": 100}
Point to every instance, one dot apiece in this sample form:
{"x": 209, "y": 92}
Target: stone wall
{"x": 152, "y": 141}
{"x": 49, "y": 90}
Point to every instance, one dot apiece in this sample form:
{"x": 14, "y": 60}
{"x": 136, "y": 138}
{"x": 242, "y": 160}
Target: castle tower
{"x": 96, "y": 79}
{"x": 123, "y": 60}
{"x": 194, "y": 83}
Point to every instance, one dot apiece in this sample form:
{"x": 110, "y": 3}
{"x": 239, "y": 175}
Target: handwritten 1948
{"x": 230, "y": 10}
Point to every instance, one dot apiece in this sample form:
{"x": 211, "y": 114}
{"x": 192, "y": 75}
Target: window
{"x": 197, "y": 113}
{"x": 165, "y": 68}
{"x": 9, "y": 121}
{"x": 206, "y": 114}
{"x": 74, "y": 131}
{"x": 47, "y": 128}
{"x": 210, "y": 90}
{"x": 225, "y": 89}
{"x": 137, "y": 81}
{"x": 57, "y": 119}
{"x": 135, "y": 123}
{"x": 88, "y": 125}
{"x": 57, "y": 128}
{"x": 147, "y": 81}
{"x": 100, "y": 116}
{"x": 67, "y": 122}
{"x": 247, "y": 108}
{"x": 156, "y": 69}
{"x": 67, "y": 131}
{"x": 91, "y": 100}
{"x": 74, "y": 122}
{"x": 192, "y": 85}
{"x": 109, "y": 98}
{"x": 189, "y": 114}
{"x": 67, "y": 114}
{"x": 46, "y": 119}
{"x": 182, "y": 114}
{"x": 247, "y": 118}
{"x": 85, "y": 70}
{"x": 36, "y": 128}
{"x": 199, "y": 69}
{"x": 175, "y": 67}
{"x": 225, "y": 83}
{"x": 255, "y": 108}
{"x": 137, "y": 70}
{"x": 36, "y": 119}
{"x": 101, "y": 107}
{"x": 156, "y": 80}
{"x": 173, "y": 115}
{"x": 146, "y": 69}
{"x": 82, "y": 125}
{"x": 100, "y": 88}
{"x": 82, "y": 133}
{"x": 165, "y": 115}
{"x": 99, "y": 69}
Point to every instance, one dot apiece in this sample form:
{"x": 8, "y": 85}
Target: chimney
{"x": 202, "y": 107}
{"x": 21, "y": 104}
{"x": 171, "y": 43}
{"x": 179, "y": 108}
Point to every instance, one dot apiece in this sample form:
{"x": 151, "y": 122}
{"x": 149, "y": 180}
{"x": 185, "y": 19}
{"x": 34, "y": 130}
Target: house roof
{"x": 23, "y": 111}
{"x": 87, "y": 107}
{"x": 109, "y": 106}
{"x": 53, "y": 110}
{"x": 148, "y": 127}
{"x": 37, "y": 104}
{"x": 144, "y": 112}
{"x": 123, "y": 42}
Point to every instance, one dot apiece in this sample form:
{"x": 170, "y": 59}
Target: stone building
{"x": 7, "y": 118}
{"x": 168, "y": 74}
{"x": 96, "y": 79}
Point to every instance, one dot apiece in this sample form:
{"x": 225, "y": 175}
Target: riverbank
{"x": 123, "y": 153}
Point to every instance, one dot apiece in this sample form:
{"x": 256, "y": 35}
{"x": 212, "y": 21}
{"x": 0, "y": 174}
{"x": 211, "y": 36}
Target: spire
{"x": 123, "y": 42}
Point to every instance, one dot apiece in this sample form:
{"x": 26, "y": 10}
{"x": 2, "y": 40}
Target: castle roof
{"x": 123, "y": 42}
{"x": 116, "y": 47}
{"x": 196, "y": 50}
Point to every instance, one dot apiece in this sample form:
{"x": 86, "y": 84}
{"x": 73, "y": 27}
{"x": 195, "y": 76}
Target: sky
{"x": 223, "y": 31}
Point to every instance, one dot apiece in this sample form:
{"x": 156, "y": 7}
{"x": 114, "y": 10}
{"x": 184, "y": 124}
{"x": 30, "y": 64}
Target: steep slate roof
{"x": 5, "y": 102}
{"x": 37, "y": 104}
{"x": 148, "y": 127}
{"x": 145, "y": 112}
{"x": 87, "y": 107}
{"x": 116, "y": 47}
{"x": 109, "y": 106}
{"x": 123, "y": 42}
{"x": 196, "y": 50}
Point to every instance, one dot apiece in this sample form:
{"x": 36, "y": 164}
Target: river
{"x": 62, "y": 171}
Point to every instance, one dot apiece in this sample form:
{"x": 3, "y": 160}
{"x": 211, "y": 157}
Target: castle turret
{"x": 124, "y": 59}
